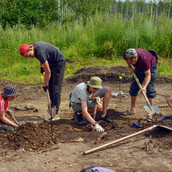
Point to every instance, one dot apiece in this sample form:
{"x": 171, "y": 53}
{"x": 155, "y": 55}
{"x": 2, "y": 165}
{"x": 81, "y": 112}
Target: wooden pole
{"x": 119, "y": 140}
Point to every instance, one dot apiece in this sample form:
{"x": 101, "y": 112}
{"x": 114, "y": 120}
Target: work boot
{"x": 79, "y": 118}
{"x": 106, "y": 119}
{"x": 57, "y": 117}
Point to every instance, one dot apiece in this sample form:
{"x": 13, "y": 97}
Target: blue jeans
{"x": 150, "y": 90}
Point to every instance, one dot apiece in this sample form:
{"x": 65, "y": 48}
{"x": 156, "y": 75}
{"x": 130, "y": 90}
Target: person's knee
{"x": 133, "y": 93}
{"x": 151, "y": 92}
{"x": 151, "y": 96}
{"x": 134, "y": 89}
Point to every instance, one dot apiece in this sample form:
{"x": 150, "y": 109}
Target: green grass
{"x": 99, "y": 42}
{"x": 29, "y": 70}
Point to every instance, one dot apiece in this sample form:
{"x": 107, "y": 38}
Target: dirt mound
{"x": 35, "y": 137}
{"x": 107, "y": 73}
{"x": 160, "y": 138}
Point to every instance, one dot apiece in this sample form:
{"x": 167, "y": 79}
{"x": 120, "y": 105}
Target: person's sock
{"x": 102, "y": 116}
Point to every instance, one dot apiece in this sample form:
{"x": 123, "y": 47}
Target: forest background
{"x": 88, "y": 32}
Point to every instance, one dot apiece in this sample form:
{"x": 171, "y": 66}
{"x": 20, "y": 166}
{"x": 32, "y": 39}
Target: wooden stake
{"x": 119, "y": 140}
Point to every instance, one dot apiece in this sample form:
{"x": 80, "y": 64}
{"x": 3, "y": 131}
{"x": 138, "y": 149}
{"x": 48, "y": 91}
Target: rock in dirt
{"x": 78, "y": 140}
{"x": 25, "y": 107}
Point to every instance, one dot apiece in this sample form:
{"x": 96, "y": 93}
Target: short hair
{"x": 131, "y": 54}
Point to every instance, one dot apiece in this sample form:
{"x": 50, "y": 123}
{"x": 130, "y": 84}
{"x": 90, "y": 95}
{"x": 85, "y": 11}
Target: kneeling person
{"x": 10, "y": 92}
{"x": 83, "y": 101}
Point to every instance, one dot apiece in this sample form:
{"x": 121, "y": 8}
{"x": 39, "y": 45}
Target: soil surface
{"x": 38, "y": 146}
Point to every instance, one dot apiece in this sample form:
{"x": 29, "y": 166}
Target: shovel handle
{"x": 144, "y": 94}
{"x": 48, "y": 94}
{"x": 95, "y": 110}
{"x": 140, "y": 86}
{"x": 119, "y": 140}
{"x": 13, "y": 118}
{"x": 49, "y": 105}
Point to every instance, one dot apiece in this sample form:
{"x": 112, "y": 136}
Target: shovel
{"x": 10, "y": 114}
{"x": 150, "y": 109}
{"x": 49, "y": 107}
{"x": 95, "y": 108}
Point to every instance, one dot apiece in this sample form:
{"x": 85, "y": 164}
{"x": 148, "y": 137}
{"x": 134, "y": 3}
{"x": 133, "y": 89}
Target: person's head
{"x": 10, "y": 92}
{"x": 131, "y": 56}
{"x": 94, "y": 84}
{"x": 27, "y": 50}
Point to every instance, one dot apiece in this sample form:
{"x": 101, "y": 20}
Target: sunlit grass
{"x": 99, "y": 42}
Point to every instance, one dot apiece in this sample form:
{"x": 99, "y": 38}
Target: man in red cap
{"x": 53, "y": 63}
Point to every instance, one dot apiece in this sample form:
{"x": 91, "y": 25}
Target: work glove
{"x": 45, "y": 88}
{"x": 97, "y": 100}
{"x": 42, "y": 70}
{"x": 98, "y": 128}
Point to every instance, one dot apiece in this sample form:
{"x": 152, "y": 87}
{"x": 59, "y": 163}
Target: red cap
{"x": 23, "y": 48}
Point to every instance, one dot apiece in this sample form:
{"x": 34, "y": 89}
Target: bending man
{"x": 53, "y": 63}
{"x": 145, "y": 63}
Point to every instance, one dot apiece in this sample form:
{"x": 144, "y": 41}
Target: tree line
{"x": 42, "y": 12}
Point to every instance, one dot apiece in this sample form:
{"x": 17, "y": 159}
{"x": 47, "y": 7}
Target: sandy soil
{"x": 34, "y": 147}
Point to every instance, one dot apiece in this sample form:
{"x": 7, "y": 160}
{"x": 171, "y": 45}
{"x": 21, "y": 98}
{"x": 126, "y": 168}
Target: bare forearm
{"x": 147, "y": 80}
{"x": 85, "y": 112}
{"x": 47, "y": 78}
{"x": 88, "y": 117}
{"x": 7, "y": 121}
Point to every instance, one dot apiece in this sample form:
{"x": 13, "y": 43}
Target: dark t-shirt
{"x": 47, "y": 52}
{"x": 145, "y": 59}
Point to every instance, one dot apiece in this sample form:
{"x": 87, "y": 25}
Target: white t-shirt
{"x": 80, "y": 93}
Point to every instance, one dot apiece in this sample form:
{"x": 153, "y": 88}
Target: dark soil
{"x": 35, "y": 135}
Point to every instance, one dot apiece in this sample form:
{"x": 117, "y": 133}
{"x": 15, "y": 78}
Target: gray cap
{"x": 10, "y": 91}
{"x": 131, "y": 54}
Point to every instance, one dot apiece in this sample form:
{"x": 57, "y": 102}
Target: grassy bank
{"x": 101, "y": 41}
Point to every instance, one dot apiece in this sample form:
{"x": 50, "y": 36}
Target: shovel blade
{"x": 153, "y": 110}
{"x": 53, "y": 111}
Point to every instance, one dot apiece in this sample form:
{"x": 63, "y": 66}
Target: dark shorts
{"x": 90, "y": 104}
{"x": 150, "y": 91}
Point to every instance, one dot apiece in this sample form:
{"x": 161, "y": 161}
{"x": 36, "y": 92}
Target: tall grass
{"x": 101, "y": 41}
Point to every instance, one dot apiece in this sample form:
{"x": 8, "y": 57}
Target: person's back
{"x": 46, "y": 51}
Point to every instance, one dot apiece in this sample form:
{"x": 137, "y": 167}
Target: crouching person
{"x": 83, "y": 102}
{"x": 10, "y": 92}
